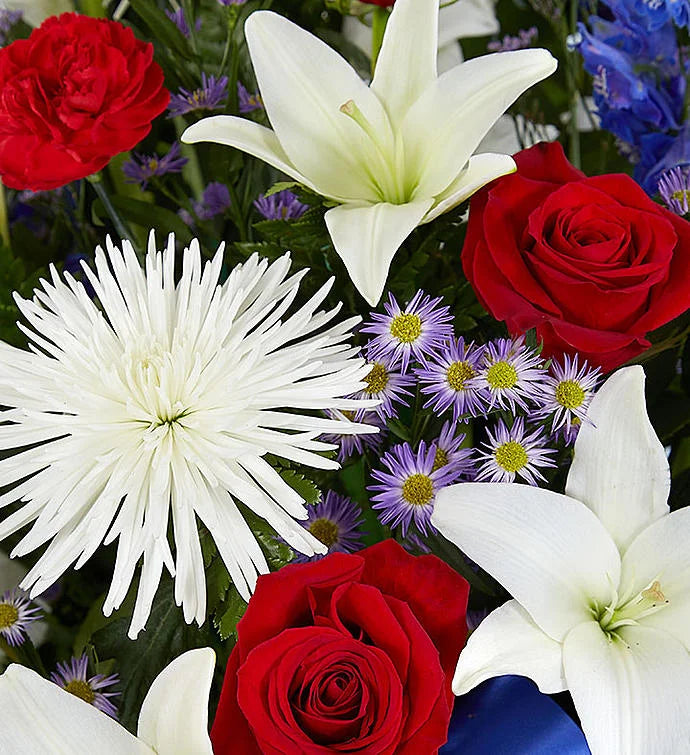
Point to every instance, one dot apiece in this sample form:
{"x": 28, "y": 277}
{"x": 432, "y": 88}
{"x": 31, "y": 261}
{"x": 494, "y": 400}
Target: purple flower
{"x": 414, "y": 332}
{"x": 248, "y": 102}
{"x": 178, "y": 18}
{"x": 450, "y": 455}
{"x": 524, "y": 39}
{"x": 141, "y": 168}
{"x": 214, "y": 201}
{"x": 407, "y": 489}
{"x": 227, "y": 3}
{"x": 351, "y": 444}
{"x": 283, "y": 205}
{"x": 674, "y": 186}
{"x": 448, "y": 379}
{"x": 71, "y": 676}
{"x": 8, "y": 18}
{"x": 212, "y": 94}
{"x": 16, "y": 613}
{"x": 512, "y": 452}
{"x": 336, "y": 522}
{"x": 386, "y": 385}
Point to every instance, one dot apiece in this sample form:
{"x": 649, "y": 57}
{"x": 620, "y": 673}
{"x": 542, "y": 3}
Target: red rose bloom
{"x": 76, "y": 92}
{"x": 352, "y": 653}
{"x": 592, "y": 263}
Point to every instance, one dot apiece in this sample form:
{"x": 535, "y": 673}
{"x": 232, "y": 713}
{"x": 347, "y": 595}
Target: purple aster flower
{"x": 389, "y": 386}
{"x": 8, "y": 18}
{"x": 512, "y": 373}
{"x": 71, "y": 676}
{"x": 416, "y": 331}
{"x": 450, "y": 455}
{"x": 227, "y": 3}
{"x": 335, "y": 521}
{"x": 674, "y": 186}
{"x": 414, "y": 544}
{"x": 212, "y": 94}
{"x": 214, "y": 201}
{"x": 568, "y": 391}
{"x": 283, "y": 205}
{"x": 141, "y": 168}
{"x": 178, "y": 18}
{"x": 407, "y": 490}
{"x": 448, "y": 379}
{"x": 16, "y": 613}
{"x": 524, "y": 38}
{"x": 513, "y": 451}
{"x": 355, "y": 445}
{"x": 248, "y": 102}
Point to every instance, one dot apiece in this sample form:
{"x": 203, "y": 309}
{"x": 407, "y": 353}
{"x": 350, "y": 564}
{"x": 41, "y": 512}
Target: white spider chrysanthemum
{"x": 161, "y": 404}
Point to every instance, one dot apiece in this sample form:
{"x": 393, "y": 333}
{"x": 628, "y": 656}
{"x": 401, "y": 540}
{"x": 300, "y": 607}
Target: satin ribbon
{"x": 509, "y": 716}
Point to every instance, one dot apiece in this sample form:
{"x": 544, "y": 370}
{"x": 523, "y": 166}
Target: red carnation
{"x": 353, "y": 654}
{"x": 77, "y": 92}
{"x": 592, "y": 263}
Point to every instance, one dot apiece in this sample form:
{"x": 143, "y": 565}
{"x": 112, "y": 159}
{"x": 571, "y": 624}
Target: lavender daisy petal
{"x": 389, "y": 386}
{"x": 283, "y": 205}
{"x": 455, "y": 460}
{"x": 355, "y": 445}
{"x": 674, "y": 187}
{"x": 214, "y": 201}
{"x": 212, "y": 94}
{"x": 16, "y": 614}
{"x": 72, "y": 676}
{"x": 247, "y": 101}
{"x": 141, "y": 168}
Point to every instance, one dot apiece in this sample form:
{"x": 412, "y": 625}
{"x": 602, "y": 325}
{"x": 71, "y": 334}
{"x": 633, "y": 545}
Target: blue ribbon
{"x": 509, "y": 716}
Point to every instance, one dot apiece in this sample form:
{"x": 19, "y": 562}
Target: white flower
{"x": 36, "y": 11}
{"x": 600, "y": 579}
{"x": 38, "y": 716}
{"x": 159, "y": 408}
{"x": 394, "y": 155}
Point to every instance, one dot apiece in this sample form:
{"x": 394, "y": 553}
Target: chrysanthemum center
{"x": 418, "y": 489}
{"x": 458, "y": 374}
{"x": 440, "y": 459}
{"x": 8, "y": 615}
{"x": 406, "y": 327}
{"x": 569, "y": 394}
{"x": 377, "y": 379}
{"x": 511, "y": 456}
{"x": 501, "y": 375}
{"x": 81, "y": 689}
{"x": 324, "y": 530}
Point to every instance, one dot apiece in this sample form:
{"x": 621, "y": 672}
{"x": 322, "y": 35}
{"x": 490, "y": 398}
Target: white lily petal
{"x": 303, "y": 104}
{"x": 406, "y": 64}
{"x": 662, "y": 553}
{"x": 38, "y": 717}
{"x": 509, "y": 642}
{"x": 467, "y": 18}
{"x": 511, "y": 133}
{"x": 631, "y": 694}
{"x": 248, "y": 136}
{"x": 480, "y": 170}
{"x": 174, "y": 715}
{"x": 462, "y": 105}
{"x": 367, "y": 237}
{"x": 620, "y": 468}
{"x": 524, "y": 537}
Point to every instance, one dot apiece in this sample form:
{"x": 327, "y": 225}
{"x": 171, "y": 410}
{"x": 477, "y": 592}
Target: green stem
{"x": 572, "y": 61}
{"x": 192, "y": 170}
{"x": 121, "y": 227}
{"x": 4, "y": 220}
{"x": 379, "y": 19}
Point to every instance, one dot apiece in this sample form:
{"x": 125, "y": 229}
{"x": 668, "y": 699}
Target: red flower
{"x": 76, "y": 92}
{"x": 592, "y": 263}
{"x": 353, "y": 654}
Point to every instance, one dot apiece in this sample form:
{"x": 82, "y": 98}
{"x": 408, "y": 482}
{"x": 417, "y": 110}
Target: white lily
{"x": 37, "y": 716}
{"x": 394, "y": 155}
{"x": 600, "y": 579}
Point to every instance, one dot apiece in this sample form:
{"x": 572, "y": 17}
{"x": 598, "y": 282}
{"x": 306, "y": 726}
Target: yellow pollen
{"x": 501, "y": 375}
{"x": 349, "y": 414}
{"x": 569, "y": 394}
{"x": 511, "y": 456}
{"x": 8, "y": 615}
{"x": 653, "y": 592}
{"x": 458, "y": 374}
{"x": 406, "y": 327}
{"x": 440, "y": 460}
{"x": 153, "y": 164}
{"x": 82, "y": 690}
{"x": 418, "y": 489}
{"x": 324, "y": 530}
{"x": 377, "y": 379}
{"x": 681, "y": 195}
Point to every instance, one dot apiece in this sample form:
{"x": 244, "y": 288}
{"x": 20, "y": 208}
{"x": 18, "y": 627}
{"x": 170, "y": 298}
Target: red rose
{"x": 76, "y": 92}
{"x": 352, "y": 654}
{"x": 592, "y": 263}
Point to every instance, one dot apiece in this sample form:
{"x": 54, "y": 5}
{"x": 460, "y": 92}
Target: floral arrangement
{"x": 344, "y": 377}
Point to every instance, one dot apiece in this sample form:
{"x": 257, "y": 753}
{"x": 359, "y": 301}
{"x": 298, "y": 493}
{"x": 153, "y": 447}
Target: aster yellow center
{"x": 377, "y": 379}
{"x": 458, "y": 374}
{"x": 511, "y": 456}
{"x": 501, "y": 375}
{"x": 569, "y": 394}
{"x": 406, "y": 327}
{"x": 440, "y": 460}
{"x": 8, "y": 615}
{"x": 681, "y": 195}
{"x": 418, "y": 490}
{"x": 81, "y": 689}
{"x": 324, "y": 530}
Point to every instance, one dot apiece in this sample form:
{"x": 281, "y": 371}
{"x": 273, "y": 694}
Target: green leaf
{"x": 281, "y": 186}
{"x": 161, "y": 27}
{"x": 14, "y": 276}
{"x": 218, "y": 583}
{"x": 302, "y": 485}
{"x": 276, "y": 551}
{"x": 229, "y": 613}
{"x": 149, "y": 216}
